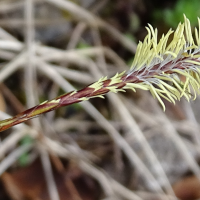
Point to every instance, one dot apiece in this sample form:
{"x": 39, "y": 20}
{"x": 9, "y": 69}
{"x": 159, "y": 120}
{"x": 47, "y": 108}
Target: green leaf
{"x": 24, "y": 158}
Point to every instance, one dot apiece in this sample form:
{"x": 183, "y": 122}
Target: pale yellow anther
{"x": 44, "y": 102}
{"x": 116, "y": 79}
{"x": 74, "y": 92}
{"x": 83, "y": 98}
{"x": 98, "y": 85}
{"x": 193, "y": 62}
{"x": 55, "y": 101}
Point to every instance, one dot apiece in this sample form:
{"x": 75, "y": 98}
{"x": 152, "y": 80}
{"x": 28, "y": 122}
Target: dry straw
{"x": 158, "y": 66}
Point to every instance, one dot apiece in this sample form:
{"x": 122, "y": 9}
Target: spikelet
{"x": 161, "y": 66}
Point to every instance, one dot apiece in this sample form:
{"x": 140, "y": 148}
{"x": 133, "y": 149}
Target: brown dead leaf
{"x": 187, "y": 188}
{"x": 29, "y": 183}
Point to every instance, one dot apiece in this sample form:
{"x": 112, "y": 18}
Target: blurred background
{"x": 123, "y": 147}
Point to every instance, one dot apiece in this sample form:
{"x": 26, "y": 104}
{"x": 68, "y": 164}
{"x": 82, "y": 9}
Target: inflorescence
{"x": 169, "y": 69}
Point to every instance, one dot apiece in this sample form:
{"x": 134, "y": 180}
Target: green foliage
{"x": 82, "y": 45}
{"x": 24, "y": 158}
{"x": 174, "y": 15}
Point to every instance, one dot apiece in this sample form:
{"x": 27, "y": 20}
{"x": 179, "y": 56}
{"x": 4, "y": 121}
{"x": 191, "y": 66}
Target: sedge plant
{"x": 157, "y": 66}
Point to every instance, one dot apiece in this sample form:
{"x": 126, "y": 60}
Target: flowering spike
{"x": 158, "y": 66}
